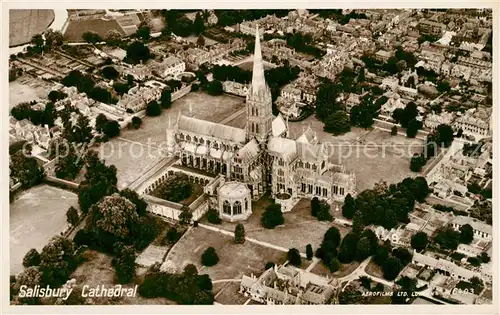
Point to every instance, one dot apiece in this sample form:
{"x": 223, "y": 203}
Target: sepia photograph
{"x": 245, "y": 157}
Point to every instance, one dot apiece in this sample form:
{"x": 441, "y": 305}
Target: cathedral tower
{"x": 259, "y": 102}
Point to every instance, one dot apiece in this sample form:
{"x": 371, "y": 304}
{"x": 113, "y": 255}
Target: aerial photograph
{"x": 250, "y": 157}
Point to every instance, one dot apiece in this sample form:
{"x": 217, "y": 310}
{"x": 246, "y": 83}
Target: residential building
{"x": 481, "y": 229}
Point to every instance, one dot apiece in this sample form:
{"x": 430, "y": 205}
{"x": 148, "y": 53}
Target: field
{"x": 36, "y": 216}
{"x": 235, "y": 261}
{"x": 204, "y": 106}
{"x": 131, "y": 159}
{"x": 27, "y": 89}
{"x": 300, "y": 227}
{"x": 23, "y": 24}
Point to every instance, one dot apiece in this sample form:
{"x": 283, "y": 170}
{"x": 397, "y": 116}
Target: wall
{"x": 180, "y": 93}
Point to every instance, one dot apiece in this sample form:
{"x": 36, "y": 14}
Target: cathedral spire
{"x": 258, "y": 79}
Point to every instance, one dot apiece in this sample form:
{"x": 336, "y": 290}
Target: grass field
{"x": 235, "y": 260}
{"x": 299, "y": 229}
{"x": 204, "y": 106}
{"x": 131, "y": 159}
{"x": 27, "y": 89}
{"x": 23, "y": 24}
{"x": 36, "y": 216}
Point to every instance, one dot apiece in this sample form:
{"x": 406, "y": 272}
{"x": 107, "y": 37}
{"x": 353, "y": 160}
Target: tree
{"x": 110, "y": 73}
{"x": 239, "y": 234}
{"x": 447, "y": 238}
{"x": 124, "y": 264}
{"x": 293, "y": 257}
{"x": 215, "y": 87}
{"x": 347, "y": 250}
{"x": 32, "y": 258}
{"x": 190, "y": 270}
{"x": 198, "y": 24}
{"x": 172, "y": 235}
{"x": 391, "y": 268}
{"x": 334, "y": 265}
{"x": 269, "y": 265}
{"x": 413, "y": 127}
{"x": 72, "y": 216}
{"x": 113, "y": 215}
{"x": 466, "y": 234}
{"x": 53, "y": 38}
{"x": 55, "y": 96}
{"x": 111, "y": 129}
{"x": 350, "y": 296}
{"x": 113, "y": 37}
{"x": 363, "y": 249}
{"x": 484, "y": 257}
{"x": 444, "y": 135}
{"x": 357, "y": 222}
{"x": 416, "y": 163}
{"x": 30, "y": 277}
{"x": 137, "y": 52}
{"x": 26, "y": 169}
{"x": 186, "y": 216}
{"x": 326, "y": 101}
{"x": 91, "y": 37}
{"x": 394, "y": 130}
{"x": 349, "y": 207}
{"x": 309, "y": 251}
{"x": 37, "y": 41}
{"x": 209, "y": 257}
{"x": 272, "y": 216}
{"x": 337, "y": 123}
{"x": 200, "y": 41}
{"x": 166, "y": 97}
{"x": 144, "y": 32}
{"x": 361, "y": 75}
{"x": 419, "y": 241}
{"x": 404, "y": 255}
{"x": 153, "y": 109}
{"x": 57, "y": 261}
{"x": 136, "y": 122}
{"x": 443, "y": 86}
{"x": 213, "y": 216}
{"x": 315, "y": 205}
{"x": 381, "y": 255}
{"x": 139, "y": 203}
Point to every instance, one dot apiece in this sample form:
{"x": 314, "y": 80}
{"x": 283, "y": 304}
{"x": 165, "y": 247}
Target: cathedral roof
{"x": 278, "y": 126}
{"x": 310, "y": 152}
{"x": 307, "y": 136}
{"x": 282, "y": 147}
{"x": 249, "y": 151}
{"x": 211, "y": 129}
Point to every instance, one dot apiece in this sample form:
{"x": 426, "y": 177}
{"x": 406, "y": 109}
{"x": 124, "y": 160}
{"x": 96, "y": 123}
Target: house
{"x": 431, "y": 27}
{"x": 444, "y": 267}
{"x": 382, "y": 55}
{"x": 481, "y": 229}
{"x": 473, "y": 125}
{"x": 170, "y": 67}
{"x": 287, "y": 285}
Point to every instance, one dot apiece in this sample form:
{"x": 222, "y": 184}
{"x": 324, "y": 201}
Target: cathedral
{"x": 261, "y": 158}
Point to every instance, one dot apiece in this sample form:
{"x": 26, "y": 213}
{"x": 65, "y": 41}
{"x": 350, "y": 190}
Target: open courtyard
{"x": 36, "y": 216}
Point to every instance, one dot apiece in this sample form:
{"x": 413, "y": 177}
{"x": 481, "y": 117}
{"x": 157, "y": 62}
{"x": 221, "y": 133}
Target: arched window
{"x": 256, "y": 128}
{"x": 256, "y": 112}
{"x": 237, "y": 207}
{"x": 181, "y": 136}
{"x": 226, "y": 207}
{"x": 208, "y": 143}
{"x": 195, "y": 139}
{"x": 314, "y": 167}
{"x": 216, "y": 145}
{"x": 202, "y": 141}
{"x": 188, "y": 138}
{"x": 246, "y": 205}
{"x": 280, "y": 172}
{"x": 308, "y": 165}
